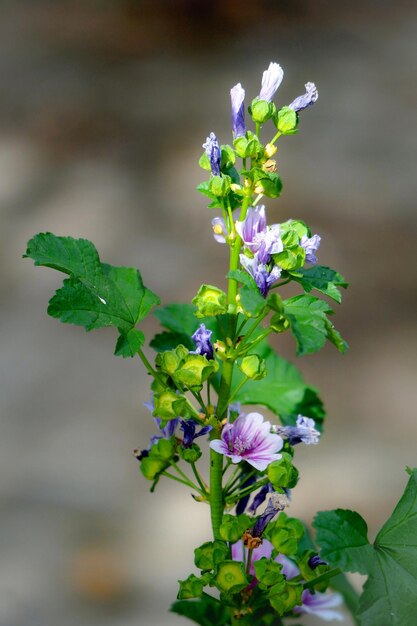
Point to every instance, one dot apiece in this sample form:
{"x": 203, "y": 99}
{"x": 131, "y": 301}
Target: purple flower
{"x": 268, "y": 243}
{"x": 309, "y": 97}
{"x": 213, "y": 152}
{"x": 310, "y": 245}
{"x": 263, "y": 277}
{"x": 314, "y": 561}
{"x": 320, "y": 604}
{"x": 219, "y": 227}
{"x": 260, "y": 497}
{"x": 253, "y": 224}
{"x": 271, "y": 80}
{"x": 303, "y": 432}
{"x": 249, "y": 439}
{"x": 237, "y": 95}
{"x": 188, "y": 427}
{"x": 202, "y": 342}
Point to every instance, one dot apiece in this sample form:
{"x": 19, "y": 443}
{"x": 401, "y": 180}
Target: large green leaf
{"x": 310, "y": 325}
{"x": 283, "y": 389}
{"x": 390, "y": 593}
{"x": 96, "y": 294}
{"x": 206, "y": 611}
{"x": 323, "y": 279}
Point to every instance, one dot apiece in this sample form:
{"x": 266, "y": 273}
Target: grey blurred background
{"x": 104, "y": 106}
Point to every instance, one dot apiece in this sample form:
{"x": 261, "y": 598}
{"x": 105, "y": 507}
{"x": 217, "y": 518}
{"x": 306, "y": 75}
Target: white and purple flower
{"x": 237, "y": 95}
{"x": 307, "y": 99}
{"x": 249, "y": 439}
{"x": 310, "y": 245}
{"x": 271, "y": 80}
{"x": 258, "y": 236}
{"x": 303, "y": 432}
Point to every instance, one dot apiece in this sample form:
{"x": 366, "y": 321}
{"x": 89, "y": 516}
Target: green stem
{"x": 184, "y": 476}
{"x": 179, "y": 480}
{"x": 257, "y": 129}
{"x": 216, "y": 491}
{"x": 198, "y": 478}
{"x": 238, "y": 388}
{"x": 333, "y": 572}
{"x": 247, "y": 490}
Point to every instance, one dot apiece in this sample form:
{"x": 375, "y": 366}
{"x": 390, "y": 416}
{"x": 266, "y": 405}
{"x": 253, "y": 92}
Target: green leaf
{"x": 169, "y": 341}
{"x": 323, "y": 279}
{"x": 309, "y": 324}
{"x": 342, "y": 535}
{"x": 180, "y": 319}
{"x": 389, "y": 595}
{"x": 283, "y": 389}
{"x": 96, "y": 294}
{"x": 205, "y": 611}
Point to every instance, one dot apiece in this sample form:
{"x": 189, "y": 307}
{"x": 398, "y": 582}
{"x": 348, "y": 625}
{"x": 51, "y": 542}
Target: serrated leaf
{"x": 250, "y": 298}
{"x": 283, "y": 389}
{"x": 309, "y": 324}
{"x": 342, "y": 536}
{"x": 323, "y": 279}
{"x": 96, "y": 294}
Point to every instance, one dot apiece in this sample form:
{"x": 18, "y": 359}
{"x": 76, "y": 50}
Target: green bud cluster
{"x": 210, "y": 301}
{"x": 285, "y": 533}
{"x": 187, "y": 370}
{"x": 282, "y": 474}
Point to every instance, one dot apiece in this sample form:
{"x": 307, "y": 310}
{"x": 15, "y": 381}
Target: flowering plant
{"x": 212, "y": 358}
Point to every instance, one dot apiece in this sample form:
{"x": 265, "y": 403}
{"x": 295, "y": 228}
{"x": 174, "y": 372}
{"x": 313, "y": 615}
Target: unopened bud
{"x": 270, "y": 150}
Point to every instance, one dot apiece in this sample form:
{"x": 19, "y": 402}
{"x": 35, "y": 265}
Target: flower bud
{"x": 270, "y": 150}
{"x": 268, "y": 573}
{"x": 209, "y": 554}
{"x": 210, "y": 301}
{"x": 261, "y": 110}
{"x": 233, "y": 527}
{"x": 285, "y": 534}
{"x": 220, "y": 185}
{"x": 194, "y": 371}
{"x": 191, "y": 454}
{"x": 168, "y": 404}
{"x": 282, "y": 473}
{"x": 253, "y": 367}
{"x": 169, "y": 360}
{"x": 191, "y": 587}
{"x": 285, "y": 599}
{"x": 286, "y": 121}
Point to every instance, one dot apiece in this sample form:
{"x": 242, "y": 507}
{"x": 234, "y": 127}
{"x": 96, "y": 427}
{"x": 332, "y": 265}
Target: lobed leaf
{"x": 323, "y": 279}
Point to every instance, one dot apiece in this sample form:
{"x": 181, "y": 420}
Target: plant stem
{"x": 184, "y": 476}
{"x": 323, "y": 577}
{"x": 198, "y": 478}
{"x": 216, "y": 491}
{"x": 179, "y": 480}
{"x": 238, "y": 388}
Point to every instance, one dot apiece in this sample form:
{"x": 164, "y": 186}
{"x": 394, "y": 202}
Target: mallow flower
{"x": 263, "y": 277}
{"x": 214, "y": 154}
{"x": 308, "y": 98}
{"x": 303, "y": 432}
{"x": 271, "y": 80}
{"x": 249, "y": 439}
{"x": 219, "y": 227}
{"x": 237, "y": 96}
{"x": 310, "y": 245}
{"x": 253, "y": 224}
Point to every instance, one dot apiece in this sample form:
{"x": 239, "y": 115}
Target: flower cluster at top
{"x": 270, "y": 252}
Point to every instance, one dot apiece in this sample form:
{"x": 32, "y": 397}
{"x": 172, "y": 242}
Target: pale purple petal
{"x": 268, "y": 243}
{"x": 310, "y": 245}
{"x": 271, "y": 80}
{"x": 202, "y": 342}
{"x": 237, "y": 95}
{"x": 309, "y": 97}
{"x": 219, "y": 229}
{"x": 321, "y": 605}
{"x": 253, "y": 224}
{"x": 213, "y": 152}
{"x": 289, "y": 568}
{"x": 263, "y": 277}
{"x": 303, "y": 432}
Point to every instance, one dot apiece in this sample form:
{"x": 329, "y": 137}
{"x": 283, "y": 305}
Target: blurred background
{"x": 104, "y": 107}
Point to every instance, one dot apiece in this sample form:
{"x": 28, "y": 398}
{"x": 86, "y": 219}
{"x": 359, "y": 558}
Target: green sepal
{"x": 261, "y": 110}
{"x": 282, "y": 473}
{"x": 170, "y": 360}
{"x": 253, "y": 366}
{"x": 151, "y": 467}
{"x": 268, "y": 573}
{"x": 194, "y": 370}
{"x": 190, "y": 454}
{"x": 233, "y": 526}
{"x": 285, "y": 533}
{"x": 286, "y": 121}
{"x": 290, "y": 259}
{"x": 284, "y": 598}
{"x": 219, "y": 186}
{"x": 230, "y": 577}
{"x": 248, "y": 147}
{"x": 191, "y": 587}
{"x": 279, "y": 323}
{"x": 160, "y": 456}
{"x": 210, "y": 554}
{"x": 228, "y": 157}
{"x": 210, "y": 301}
{"x": 168, "y": 405}
{"x": 297, "y": 226}
{"x": 96, "y": 294}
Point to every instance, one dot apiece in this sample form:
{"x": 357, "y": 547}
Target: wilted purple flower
{"x": 309, "y": 97}
{"x": 249, "y": 439}
{"x": 189, "y": 427}
{"x": 320, "y": 604}
{"x": 202, "y": 342}
{"x": 260, "y": 497}
{"x": 271, "y": 80}
{"x": 310, "y": 245}
{"x": 263, "y": 276}
{"x": 277, "y": 503}
{"x": 213, "y": 152}
{"x": 314, "y": 561}
{"x": 253, "y": 224}
{"x": 237, "y": 95}
{"x": 303, "y": 432}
